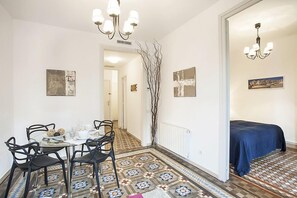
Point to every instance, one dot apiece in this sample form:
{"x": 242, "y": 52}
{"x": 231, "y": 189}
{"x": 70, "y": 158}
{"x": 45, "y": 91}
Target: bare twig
{"x": 152, "y": 66}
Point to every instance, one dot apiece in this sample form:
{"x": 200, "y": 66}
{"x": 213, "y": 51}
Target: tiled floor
{"x": 236, "y": 186}
{"x": 124, "y": 141}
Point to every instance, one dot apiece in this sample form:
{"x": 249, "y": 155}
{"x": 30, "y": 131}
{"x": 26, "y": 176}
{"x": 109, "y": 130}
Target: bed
{"x": 250, "y": 140}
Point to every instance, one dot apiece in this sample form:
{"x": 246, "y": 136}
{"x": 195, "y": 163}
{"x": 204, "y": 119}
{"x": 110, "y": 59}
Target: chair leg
{"x": 97, "y": 179}
{"x": 64, "y": 175}
{"x": 94, "y": 171}
{"x": 9, "y": 180}
{"x": 71, "y": 169}
{"x": 45, "y": 176}
{"x": 27, "y": 183}
{"x": 82, "y": 153}
{"x": 115, "y": 171}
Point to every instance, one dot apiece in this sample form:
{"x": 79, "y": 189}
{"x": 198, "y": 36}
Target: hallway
{"x": 124, "y": 141}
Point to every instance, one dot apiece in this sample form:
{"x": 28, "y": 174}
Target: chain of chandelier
{"x": 111, "y": 26}
{"x": 255, "y": 51}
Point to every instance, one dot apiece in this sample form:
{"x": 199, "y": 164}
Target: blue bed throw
{"x": 250, "y": 140}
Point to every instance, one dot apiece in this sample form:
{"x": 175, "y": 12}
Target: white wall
{"x": 275, "y": 106}
{"x": 6, "y": 86}
{"x": 134, "y": 72}
{"x": 38, "y": 47}
{"x": 112, "y": 76}
{"x": 196, "y": 44}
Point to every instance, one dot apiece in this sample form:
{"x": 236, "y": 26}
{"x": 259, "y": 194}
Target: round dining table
{"x": 67, "y": 142}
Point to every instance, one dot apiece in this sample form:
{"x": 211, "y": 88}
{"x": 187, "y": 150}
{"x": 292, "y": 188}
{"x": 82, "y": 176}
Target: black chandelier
{"x": 111, "y": 26}
{"x": 255, "y": 51}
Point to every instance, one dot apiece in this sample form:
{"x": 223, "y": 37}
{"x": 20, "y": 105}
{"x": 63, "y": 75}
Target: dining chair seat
{"x": 98, "y": 151}
{"x": 96, "y": 157}
{"x": 29, "y": 158}
{"x": 38, "y": 163}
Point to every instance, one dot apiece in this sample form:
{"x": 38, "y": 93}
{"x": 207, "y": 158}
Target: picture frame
{"x": 271, "y": 82}
{"x": 60, "y": 83}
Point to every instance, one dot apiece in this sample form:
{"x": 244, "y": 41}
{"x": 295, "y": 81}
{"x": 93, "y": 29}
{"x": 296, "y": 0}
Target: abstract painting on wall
{"x": 185, "y": 83}
{"x": 274, "y": 82}
{"x": 60, "y": 83}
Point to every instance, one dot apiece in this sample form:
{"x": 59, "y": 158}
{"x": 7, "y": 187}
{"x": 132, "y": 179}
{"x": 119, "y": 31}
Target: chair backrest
{"x": 103, "y": 144}
{"x": 38, "y": 128}
{"x": 107, "y": 124}
{"x": 21, "y": 153}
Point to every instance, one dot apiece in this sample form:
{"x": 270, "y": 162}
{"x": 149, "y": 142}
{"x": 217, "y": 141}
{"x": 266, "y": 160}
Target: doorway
{"x": 111, "y": 94}
{"x": 107, "y": 105}
{"x": 129, "y": 103}
{"x": 224, "y": 120}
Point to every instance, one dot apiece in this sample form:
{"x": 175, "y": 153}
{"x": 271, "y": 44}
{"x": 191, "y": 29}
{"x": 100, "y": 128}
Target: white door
{"x": 107, "y": 95}
{"x": 124, "y": 101}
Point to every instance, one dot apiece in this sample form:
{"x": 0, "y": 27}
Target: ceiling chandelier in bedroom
{"x": 255, "y": 51}
{"x": 111, "y": 26}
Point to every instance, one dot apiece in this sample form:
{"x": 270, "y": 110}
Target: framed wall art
{"x": 260, "y": 83}
{"x": 60, "y": 83}
{"x": 185, "y": 83}
{"x": 134, "y": 87}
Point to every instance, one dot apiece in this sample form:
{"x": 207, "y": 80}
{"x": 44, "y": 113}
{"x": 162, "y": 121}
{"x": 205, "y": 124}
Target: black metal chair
{"x": 39, "y": 130}
{"x": 107, "y": 126}
{"x": 97, "y": 154}
{"x": 29, "y": 158}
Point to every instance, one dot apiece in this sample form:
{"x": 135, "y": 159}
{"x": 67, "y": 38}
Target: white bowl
{"x": 83, "y": 134}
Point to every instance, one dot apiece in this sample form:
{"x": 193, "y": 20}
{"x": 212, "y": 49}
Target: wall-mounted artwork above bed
{"x": 260, "y": 83}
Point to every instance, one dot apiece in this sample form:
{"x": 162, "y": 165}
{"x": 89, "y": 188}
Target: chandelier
{"x": 111, "y": 26}
{"x": 255, "y": 51}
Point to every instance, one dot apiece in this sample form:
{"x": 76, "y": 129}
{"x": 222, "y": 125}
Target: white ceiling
{"x": 157, "y": 17}
{"x": 277, "y": 18}
{"x": 123, "y": 58}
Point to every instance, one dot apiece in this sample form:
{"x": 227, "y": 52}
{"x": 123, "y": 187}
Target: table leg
{"x": 68, "y": 172}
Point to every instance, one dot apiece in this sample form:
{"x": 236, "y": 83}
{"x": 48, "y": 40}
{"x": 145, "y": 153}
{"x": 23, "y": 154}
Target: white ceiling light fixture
{"x": 111, "y": 26}
{"x": 255, "y": 51}
{"x": 113, "y": 59}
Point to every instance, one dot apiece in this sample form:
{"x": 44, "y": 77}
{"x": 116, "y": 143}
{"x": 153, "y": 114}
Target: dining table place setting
{"x": 80, "y": 137}
{"x": 54, "y": 138}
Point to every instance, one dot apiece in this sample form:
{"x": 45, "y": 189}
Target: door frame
{"x": 224, "y": 94}
{"x": 124, "y": 102}
{"x": 110, "y": 102}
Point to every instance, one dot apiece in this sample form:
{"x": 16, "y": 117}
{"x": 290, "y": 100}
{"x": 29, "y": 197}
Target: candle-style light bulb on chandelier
{"x": 111, "y": 26}
{"x": 255, "y": 51}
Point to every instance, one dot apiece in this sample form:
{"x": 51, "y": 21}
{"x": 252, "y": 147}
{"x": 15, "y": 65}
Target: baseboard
{"x": 291, "y": 144}
{"x": 189, "y": 161}
{"x": 131, "y": 134}
{"x": 4, "y": 177}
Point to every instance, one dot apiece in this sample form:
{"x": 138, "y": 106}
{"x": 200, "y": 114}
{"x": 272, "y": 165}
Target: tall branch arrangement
{"x": 152, "y": 61}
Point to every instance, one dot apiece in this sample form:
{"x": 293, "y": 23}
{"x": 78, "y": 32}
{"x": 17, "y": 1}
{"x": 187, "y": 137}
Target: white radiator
{"x": 175, "y": 139}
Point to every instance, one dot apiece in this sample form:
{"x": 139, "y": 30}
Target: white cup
{"x": 83, "y": 134}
